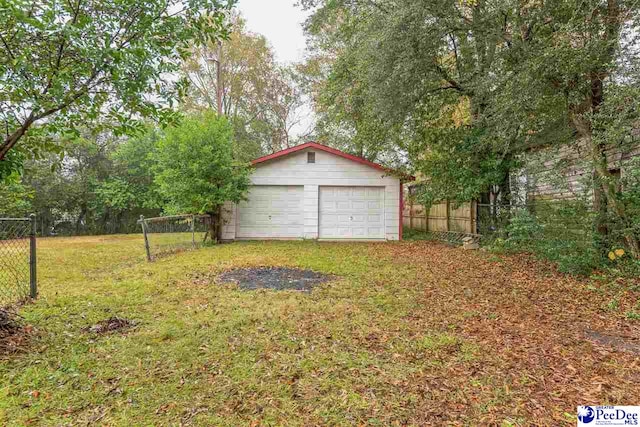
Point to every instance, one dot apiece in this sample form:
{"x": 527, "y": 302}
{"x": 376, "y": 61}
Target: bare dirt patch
{"x": 13, "y": 335}
{"x": 112, "y": 324}
{"x": 276, "y": 278}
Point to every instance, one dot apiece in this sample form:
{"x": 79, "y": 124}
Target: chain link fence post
{"x": 143, "y": 223}
{"x": 33, "y": 262}
{"x": 193, "y": 231}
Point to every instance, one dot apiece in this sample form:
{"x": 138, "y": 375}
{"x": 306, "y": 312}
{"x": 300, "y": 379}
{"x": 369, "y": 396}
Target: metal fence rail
{"x": 17, "y": 260}
{"x": 170, "y": 234}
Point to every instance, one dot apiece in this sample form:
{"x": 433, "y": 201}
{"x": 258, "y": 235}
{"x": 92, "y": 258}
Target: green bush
{"x": 523, "y": 231}
{"x": 629, "y": 195}
{"x": 195, "y": 169}
{"x": 558, "y": 232}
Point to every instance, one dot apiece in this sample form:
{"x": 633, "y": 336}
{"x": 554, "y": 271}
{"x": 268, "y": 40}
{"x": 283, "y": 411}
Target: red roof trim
{"x": 401, "y": 213}
{"x": 321, "y": 147}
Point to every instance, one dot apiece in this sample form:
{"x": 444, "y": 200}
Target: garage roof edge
{"x": 317, "y": 146}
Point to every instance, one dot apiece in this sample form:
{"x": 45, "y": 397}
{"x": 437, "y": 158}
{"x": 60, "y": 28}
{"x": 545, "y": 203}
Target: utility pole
{"x": 219, "y": 90}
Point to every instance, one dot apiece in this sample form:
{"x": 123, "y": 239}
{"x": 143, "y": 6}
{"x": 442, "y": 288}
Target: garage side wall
{"x": 328, "y": 170}
{"x": 229, "y": 221}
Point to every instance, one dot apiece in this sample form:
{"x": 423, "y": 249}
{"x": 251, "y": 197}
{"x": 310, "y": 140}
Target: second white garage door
{"x": 351, "y": 213}
{"x": 271, "y": 211}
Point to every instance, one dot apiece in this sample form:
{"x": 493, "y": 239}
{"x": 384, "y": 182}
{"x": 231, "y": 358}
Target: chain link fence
{"x": 170, "y": 234}
{"x": 17, "y": 260}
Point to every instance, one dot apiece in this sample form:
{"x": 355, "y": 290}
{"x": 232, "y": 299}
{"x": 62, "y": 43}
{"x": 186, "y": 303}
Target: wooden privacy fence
{"x": 441, "y": 217}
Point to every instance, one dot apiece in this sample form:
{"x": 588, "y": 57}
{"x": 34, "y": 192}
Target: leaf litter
{"x": 549, "y": 342}
{"x": 13, "y": 334}
{"x": 112, "y": 324}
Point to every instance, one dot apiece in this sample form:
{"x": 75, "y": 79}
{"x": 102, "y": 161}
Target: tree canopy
{"x": 466, "y": 88}
{"x": 195, "y": 169}
{"x": 64, "y": 64}
{"x": 261, "y": 98}
{"x": 459, "y": 93}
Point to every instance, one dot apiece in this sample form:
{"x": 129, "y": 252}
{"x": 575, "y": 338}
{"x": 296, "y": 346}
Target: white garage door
{"x": 271, "y": 211}
{"x": 352, "y": 212}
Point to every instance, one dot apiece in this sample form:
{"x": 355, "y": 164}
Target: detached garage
{"x": 312, "y": 191}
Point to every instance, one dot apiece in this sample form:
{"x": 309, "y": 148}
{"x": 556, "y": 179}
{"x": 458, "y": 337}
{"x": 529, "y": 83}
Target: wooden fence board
{"x": 444, "y": 216}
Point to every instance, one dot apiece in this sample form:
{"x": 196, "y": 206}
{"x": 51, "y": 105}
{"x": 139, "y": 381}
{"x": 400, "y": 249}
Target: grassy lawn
{"x": 410, "y": 333}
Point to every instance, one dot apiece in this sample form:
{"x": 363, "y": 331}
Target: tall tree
{"x": 196, "y": 171}
{"x": 65, "y": 63}
{"x": 260, "y": 98}
{"x": 100, "y": 184}
{"x": 583, "y": 57}
{"x": 285, "y": 100}
{"x": 245, "y": 61}
{"x": 402, "y": 73}
{"x": 466, "y": 87}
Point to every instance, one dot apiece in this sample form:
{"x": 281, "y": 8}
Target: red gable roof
{"x": 321, "y": 147}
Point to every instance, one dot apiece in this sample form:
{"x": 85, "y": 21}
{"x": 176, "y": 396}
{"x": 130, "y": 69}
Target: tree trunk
{"x": 215, "y": 226}
{"x": 606, "y": 185}
{"x": 105, "y": 221}
{"x": 83, "y": 212}
{"x": 599, "y": 206}
{"x": 606, "y": 200}
{"x": 219, "y": 88}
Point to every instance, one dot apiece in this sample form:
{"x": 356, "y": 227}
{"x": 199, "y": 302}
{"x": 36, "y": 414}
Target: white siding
{"x": 328, "y": 170}
{"x": 229, "y": 221}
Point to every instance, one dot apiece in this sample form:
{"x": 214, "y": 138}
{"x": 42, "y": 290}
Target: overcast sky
{"x": 280, "y": 22}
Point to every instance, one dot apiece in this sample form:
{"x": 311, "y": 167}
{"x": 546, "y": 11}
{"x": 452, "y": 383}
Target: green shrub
{"x": 523, "y": 230}
{"x": 558, "y": 232}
